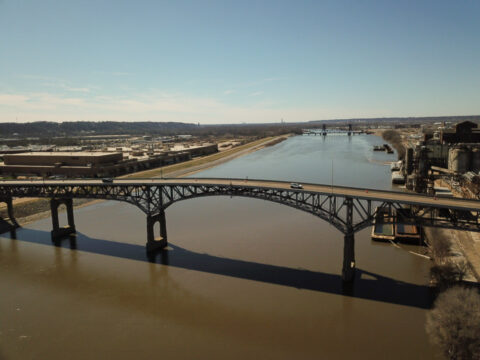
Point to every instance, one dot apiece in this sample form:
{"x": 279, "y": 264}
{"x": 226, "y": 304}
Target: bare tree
{"x": 454, "y": 323}
{"x": 448, "y": 274}
{"x": 440, "y": 248}
{"x": 395, "y": 139}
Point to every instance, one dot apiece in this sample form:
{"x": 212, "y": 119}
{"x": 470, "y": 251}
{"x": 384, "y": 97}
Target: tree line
{"x": 44, "y": 129}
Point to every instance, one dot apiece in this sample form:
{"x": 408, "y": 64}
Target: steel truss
{"x": 348, "y": 214}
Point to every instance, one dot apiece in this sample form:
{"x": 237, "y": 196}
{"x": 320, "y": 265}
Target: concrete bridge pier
{"x": 348, "y": 269}
{"x": 60, "y": 232}
{"x": 8, "y": 224}
{"x": 156, "y": 243}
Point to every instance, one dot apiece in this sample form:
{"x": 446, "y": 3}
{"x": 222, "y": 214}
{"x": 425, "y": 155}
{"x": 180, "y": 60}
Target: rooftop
{"x": 64, "y": 153}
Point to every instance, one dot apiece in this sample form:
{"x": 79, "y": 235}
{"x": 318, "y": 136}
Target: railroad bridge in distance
{"x": 347, "y": 209}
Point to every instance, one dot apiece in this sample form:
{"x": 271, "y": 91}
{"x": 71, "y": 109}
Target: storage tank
{"x": 475, "y": 165}
{"x": 459, "y": 160}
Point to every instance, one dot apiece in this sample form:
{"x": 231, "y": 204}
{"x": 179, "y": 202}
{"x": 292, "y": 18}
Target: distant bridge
{"x": 348, "y": 209}
{"x": 332, "y": 131}
{"x": 336, "y": 130}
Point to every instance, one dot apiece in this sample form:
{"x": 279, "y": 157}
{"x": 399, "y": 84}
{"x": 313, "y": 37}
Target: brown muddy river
{"x": 241, "y": 278}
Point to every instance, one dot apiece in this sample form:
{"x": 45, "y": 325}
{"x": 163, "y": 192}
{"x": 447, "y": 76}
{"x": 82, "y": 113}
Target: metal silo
{"x": 475, "y": 165}
{"x": 459, "y": 159}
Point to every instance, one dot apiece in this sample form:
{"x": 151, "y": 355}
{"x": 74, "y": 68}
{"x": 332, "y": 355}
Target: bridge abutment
{"x": 57, "y": 231}
{"x": 156, "y": 243}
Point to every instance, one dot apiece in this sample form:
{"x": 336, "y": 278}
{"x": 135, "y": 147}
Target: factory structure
{"x": 102, "y": 162}
{"x": 450, "y": 154}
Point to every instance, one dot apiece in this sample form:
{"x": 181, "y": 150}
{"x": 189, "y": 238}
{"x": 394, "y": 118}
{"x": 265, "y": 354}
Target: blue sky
{"x": 237, "y": 61}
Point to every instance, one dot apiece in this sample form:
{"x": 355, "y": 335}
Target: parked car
{"x": 296, "y": 186}
{"x": 107, "y": 180}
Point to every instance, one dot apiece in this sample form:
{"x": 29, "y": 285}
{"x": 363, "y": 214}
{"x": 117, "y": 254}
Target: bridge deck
{"x": 360, "y": 193}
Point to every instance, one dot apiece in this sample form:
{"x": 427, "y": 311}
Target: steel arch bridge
{"x": 347, "y": 209}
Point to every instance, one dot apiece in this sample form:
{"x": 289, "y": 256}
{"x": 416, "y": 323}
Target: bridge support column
{"x": 156, "y": 243}
{"x": 9, "y": 223}
{"x": 57, "y": 231}
{"x": 348, "y": 269}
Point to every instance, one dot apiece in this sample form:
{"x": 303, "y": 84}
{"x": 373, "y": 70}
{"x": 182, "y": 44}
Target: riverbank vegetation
{"x": 394, "y": 138}
{"x": 454, "y": 322}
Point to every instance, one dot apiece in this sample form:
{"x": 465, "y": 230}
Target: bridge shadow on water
{"x": 367, "y": 285}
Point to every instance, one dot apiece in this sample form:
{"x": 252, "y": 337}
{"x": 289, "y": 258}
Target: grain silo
{"x": 459, "y": 159}
{"x": 475, "y": 164}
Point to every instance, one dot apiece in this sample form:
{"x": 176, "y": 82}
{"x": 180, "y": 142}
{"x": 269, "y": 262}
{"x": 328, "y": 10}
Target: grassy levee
{"x": 165, "y": 170}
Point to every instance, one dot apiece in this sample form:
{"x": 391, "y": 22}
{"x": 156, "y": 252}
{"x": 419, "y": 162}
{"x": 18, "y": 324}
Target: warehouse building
{"x": 81, "y": 164}
{"x": 96, "y": 164}
{"x": 63, "y": 158}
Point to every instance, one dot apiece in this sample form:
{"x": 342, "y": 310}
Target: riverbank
{"x": 29, "y": 210}
{"x": 464, "y": 245}
{"x": 195, "y": 165}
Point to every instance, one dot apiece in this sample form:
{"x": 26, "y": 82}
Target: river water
{"x": 242, "y": 278}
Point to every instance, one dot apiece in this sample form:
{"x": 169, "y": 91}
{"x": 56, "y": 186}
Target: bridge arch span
{"x": 333, "y": 220}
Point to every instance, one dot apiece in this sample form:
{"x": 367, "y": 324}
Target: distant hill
{"x": 45, "y": 130}
{"x": 52, "y": 129}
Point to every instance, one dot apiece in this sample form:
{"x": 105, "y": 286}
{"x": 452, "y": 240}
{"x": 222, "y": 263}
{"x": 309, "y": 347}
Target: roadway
{"x": 362, "y": 193}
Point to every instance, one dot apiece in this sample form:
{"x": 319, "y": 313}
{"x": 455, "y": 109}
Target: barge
{"x": 395, "y": 226}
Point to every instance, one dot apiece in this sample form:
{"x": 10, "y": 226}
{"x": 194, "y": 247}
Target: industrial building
{"x": 63, "y": 158}
{"x": 464, "y": 132}
{"x": 96, "y": 164}
{"x": 452, "y": 155}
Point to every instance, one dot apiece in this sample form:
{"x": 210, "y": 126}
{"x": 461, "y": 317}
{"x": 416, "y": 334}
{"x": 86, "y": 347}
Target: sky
{"x": 215, "y": 62}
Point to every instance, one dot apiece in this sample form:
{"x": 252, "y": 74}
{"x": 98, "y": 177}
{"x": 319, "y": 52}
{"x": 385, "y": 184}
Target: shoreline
{"x": 464, "y": 244}
{"x": 186, "y": 169}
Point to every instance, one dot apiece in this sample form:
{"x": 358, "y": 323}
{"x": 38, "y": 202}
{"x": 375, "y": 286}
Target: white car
{"x": 296, "y": 186}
